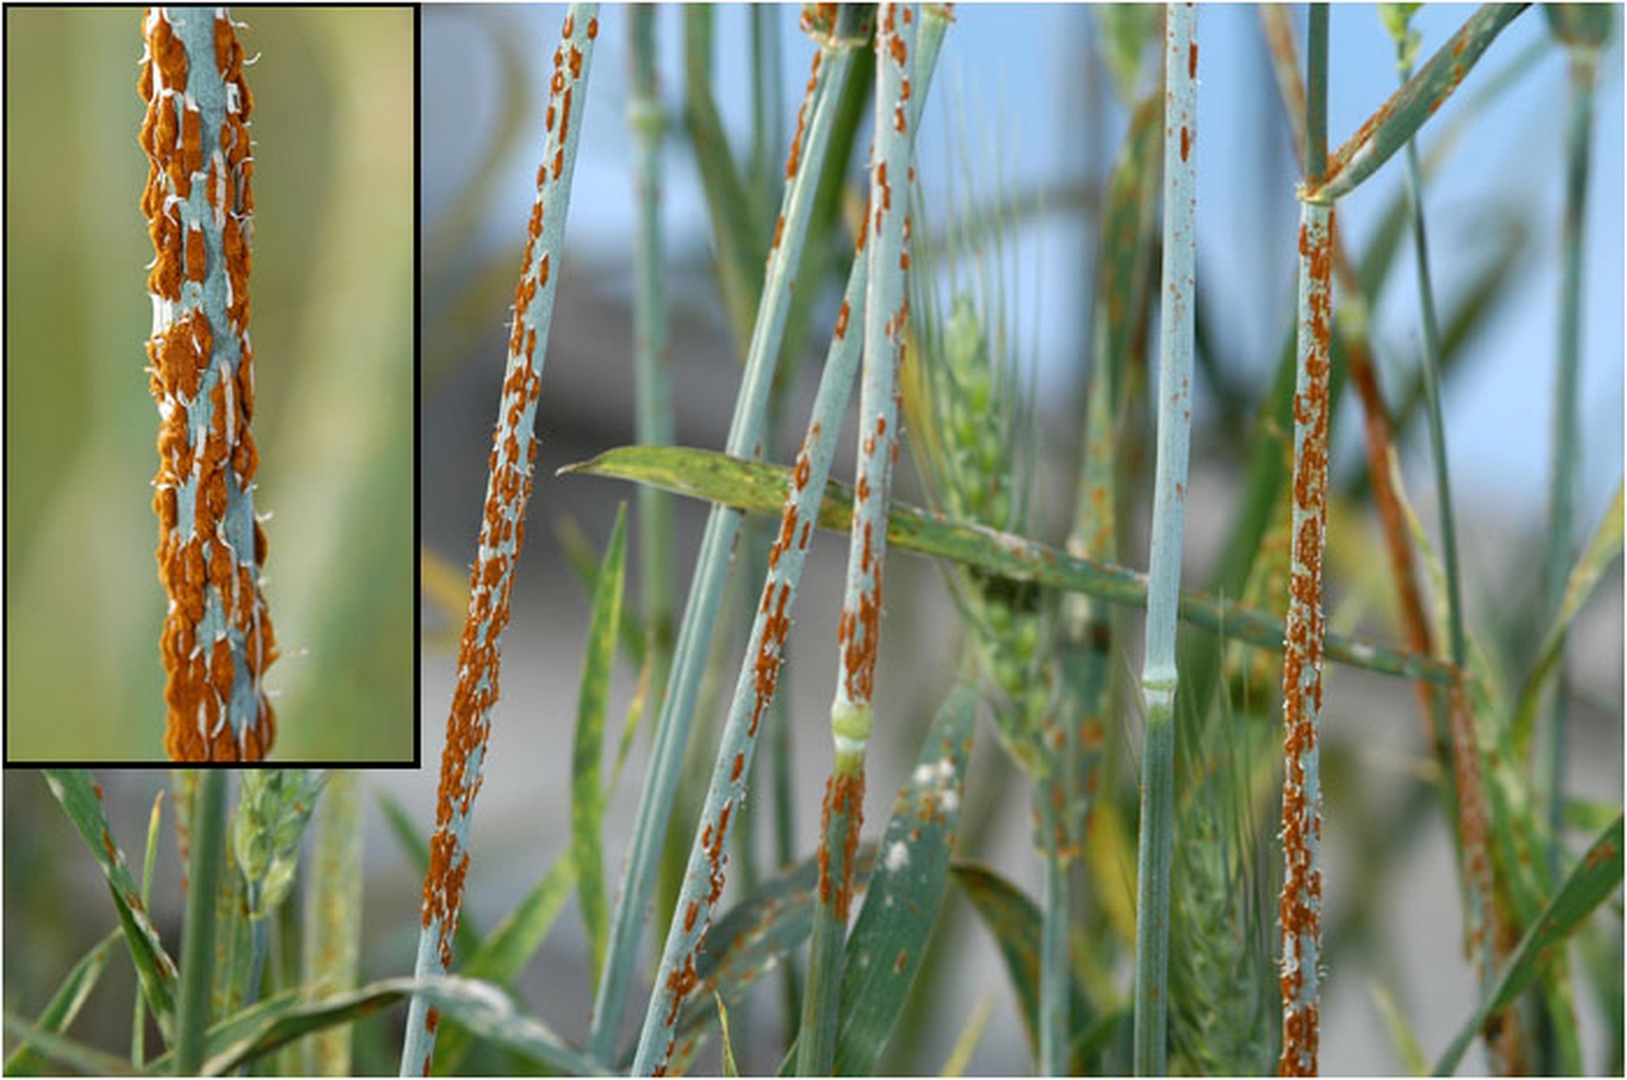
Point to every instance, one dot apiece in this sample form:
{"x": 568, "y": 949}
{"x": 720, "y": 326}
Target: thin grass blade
{"x": 479, "y": 1006}
{"x": 1402, "y": 1037}
{"x": 1602, "y": 551}
{"x": 205, "y": 863}
{"x": 758, "y": 487}
{"x": 902, "y": 900}
{"x": 1395, "y": 122}
{"x": 736, "y": 238}
{"x": 971, "y": 1035}
{"x": 588, "y": 795}
{"x": 1015, "y": 921}
{"x": 652, "y": 391}
{"x": 1594, "y": 877}
{"x": 76, "y": 1055}
{"x": 331, "y": 941}
{"x": 138, "y": 1019}
{"x": 81, "y": 798}
{"x": 805, "y": 162}
{"x": 64, "y": 1005}
{"x": 1585, "y": 34}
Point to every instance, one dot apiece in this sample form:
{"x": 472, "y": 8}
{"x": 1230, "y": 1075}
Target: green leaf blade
{"x": 64, "y": 1005}
{"x": 757, "y": 487}
{"x": 587, "y": 759}
{"x": 888, "y": 942}
{"x": 1594, "y": 877}
{"x": 81, "y": 799}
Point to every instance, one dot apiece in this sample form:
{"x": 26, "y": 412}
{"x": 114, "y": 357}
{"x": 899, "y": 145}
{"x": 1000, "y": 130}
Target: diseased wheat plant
{"x": 1187, "y": 919}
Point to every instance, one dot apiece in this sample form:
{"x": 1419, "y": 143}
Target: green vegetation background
{"x": 332, "y": 328}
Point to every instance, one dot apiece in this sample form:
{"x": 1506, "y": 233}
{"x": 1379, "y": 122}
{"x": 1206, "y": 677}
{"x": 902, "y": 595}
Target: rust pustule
{"x": 793, "y": 159}
{"x": 188, "y": 354}
{"x": 1300, "y": 903}
{"x": 844, "y": 796}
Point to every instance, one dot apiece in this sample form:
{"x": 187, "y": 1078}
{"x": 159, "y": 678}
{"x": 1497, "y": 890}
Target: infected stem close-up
{"x": 217, "y": 639}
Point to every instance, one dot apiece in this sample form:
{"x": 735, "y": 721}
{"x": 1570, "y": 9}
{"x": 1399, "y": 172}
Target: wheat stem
{"x": 502, "y": 530}
{"x": 1159, "y": 675}
{"x": 807, "y": 155}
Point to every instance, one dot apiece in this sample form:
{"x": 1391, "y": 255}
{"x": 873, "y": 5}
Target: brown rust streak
{"x": 844, "y": 798}
{"x": 793, "y": 159}
{"x": 1299, "y": 908}
{"x": 191, "y": 559}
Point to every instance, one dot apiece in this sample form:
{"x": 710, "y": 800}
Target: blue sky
{"x": 1015, "y": 79}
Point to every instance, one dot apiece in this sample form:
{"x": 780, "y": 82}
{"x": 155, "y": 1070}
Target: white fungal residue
{"x": 898, "y": 856}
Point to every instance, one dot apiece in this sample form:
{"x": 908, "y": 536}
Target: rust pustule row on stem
{"x": 1301, "y": 904}
{"x": 502, "y": 534}
{"x": 217, "y": 639}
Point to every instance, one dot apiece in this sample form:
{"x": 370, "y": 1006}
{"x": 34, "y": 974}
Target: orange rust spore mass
{"x": 1300, "y": 904}
{"x": 844, "y": 795}
{"x": 205, "y": 395}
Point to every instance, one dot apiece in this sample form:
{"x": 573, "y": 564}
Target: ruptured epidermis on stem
{"x": 217, "y": 639}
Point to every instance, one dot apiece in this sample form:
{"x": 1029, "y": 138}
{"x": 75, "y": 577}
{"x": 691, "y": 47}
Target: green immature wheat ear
{"x": 1223, "y": 980}
{"x": 273, "y": 807}
{"x": 217, "y": 639}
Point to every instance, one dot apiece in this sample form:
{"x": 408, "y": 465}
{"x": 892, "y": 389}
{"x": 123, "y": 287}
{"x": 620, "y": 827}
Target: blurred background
{"x": 332, "y": 329}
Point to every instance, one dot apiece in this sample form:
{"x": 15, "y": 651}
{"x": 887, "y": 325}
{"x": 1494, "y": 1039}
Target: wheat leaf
{"x": 1594, "y": 877}
{"x": 81, "y": 799}
{"x": 587, "y": 759}
{"x": 759, "y": 488}
{"x": 64, "y": 1006}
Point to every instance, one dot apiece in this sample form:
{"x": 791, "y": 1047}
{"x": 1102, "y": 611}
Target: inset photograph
{"x": 210, "y": 384}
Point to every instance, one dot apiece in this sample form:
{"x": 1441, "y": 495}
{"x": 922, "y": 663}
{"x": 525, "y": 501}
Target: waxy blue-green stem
{"x": 886, "y": 318}
{"x": 754, "y": 688}
{"x": 507, "y": 491}
{"x": 1300, "y": 909}
{"x": 331, "y": 940}
{"x": 652, "y": 393}
{"x": 204, "y": 863}
{"x": 1583, "y": 54}
{"x": 1158, "y": 674}
{"x": 717, "y": 544}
